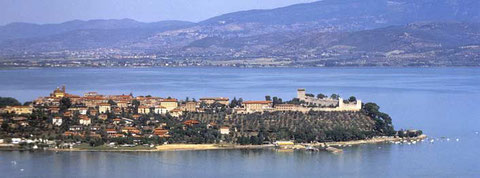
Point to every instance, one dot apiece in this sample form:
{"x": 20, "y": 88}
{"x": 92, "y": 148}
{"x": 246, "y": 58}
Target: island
{"x": 96, "y": 122}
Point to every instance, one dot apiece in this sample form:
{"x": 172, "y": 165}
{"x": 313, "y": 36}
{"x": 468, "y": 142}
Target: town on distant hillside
{"x": 63, "y": 119}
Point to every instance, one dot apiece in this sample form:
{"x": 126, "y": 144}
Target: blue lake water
{"x": 443, "y": 102}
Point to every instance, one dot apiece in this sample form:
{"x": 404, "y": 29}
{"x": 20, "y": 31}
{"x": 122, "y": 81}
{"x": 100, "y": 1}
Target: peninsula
{"x": 96, "y": 122}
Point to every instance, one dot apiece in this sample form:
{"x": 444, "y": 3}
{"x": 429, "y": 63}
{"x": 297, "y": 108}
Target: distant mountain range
{"x": 377, "y": 31}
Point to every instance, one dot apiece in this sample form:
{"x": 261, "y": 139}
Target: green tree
{"x": 240, "y": 101}
{"x": 65, "y": 103}
{"x": 352, "y": 99}
{"x": 111, "y": 102}
{"x": 94, "y": 142}
{"x": 335, "y": 96}
{"x": 383, "y": 122}
{"x": 233, "y": 103}
{"x": 4, "y": 126}
{"x": 135, "y": 104}
{"x": 277, "y": 100}
{"x": 268, "y": 98}
{"x": 8, "y": 101}
{"x": 321, "y": 96}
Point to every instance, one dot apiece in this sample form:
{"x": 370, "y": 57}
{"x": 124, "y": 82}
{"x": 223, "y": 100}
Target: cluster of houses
{"x": 94, "y": 106}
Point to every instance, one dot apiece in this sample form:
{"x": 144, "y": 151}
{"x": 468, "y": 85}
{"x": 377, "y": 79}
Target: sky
{"x": 56, "y": 11}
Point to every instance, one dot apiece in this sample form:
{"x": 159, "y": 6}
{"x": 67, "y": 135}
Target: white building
{"x": 57, "y": 121}
{"x": 160, "y": 110}
{"x": 85, "y": 121}
{"x": 83, "y": 110}
{"x": 16, "y": 140}
{"x": 104, "y": 108}
{"x": 224, "y": 130}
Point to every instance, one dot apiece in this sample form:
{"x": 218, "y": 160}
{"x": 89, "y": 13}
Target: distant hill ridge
{"x": 28, "y": 30}
{"x": 309, "y": 29}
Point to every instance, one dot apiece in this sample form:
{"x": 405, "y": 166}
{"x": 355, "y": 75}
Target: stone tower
{"x": 301, "y": 94}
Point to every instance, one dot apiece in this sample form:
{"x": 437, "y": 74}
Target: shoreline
{"x": 168, "y": 147}
{"x": 254, "y": 67}
{"x": 376, "y": 140}
{"x": 202, "y": 147}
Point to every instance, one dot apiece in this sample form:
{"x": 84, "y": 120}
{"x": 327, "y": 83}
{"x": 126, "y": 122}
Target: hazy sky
{"x": 55, "y": 11}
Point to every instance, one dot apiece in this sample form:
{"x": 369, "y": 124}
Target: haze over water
{"x": 443, "y": 102}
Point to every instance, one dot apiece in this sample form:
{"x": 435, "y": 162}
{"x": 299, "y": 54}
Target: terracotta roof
{"x": 191, "y": 122}
{"x": 70, "y": 133}
{"x": 170, "y": 100}
{"x": 160, "y": 132}
{"x": 129, "y": 128}
{"x": 117, "y": 135}
{"x": 71, "y": 96}
{"x": 257, "y": 102}
{"x": 94, "y": 98}
{"x": 120, "y": 96}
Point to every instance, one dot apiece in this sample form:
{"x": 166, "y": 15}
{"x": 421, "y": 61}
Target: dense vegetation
{"x": 7, "y": 101}
{"x": 298, "y": 126}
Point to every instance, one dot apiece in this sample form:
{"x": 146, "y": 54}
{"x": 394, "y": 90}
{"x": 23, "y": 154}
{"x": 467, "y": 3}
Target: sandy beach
{"x": 179, "y": 147}
{"x": 168, "y": 147}
{"x": 189, "y": 147}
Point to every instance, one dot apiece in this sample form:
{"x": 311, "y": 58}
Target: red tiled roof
{"x": 129, "y": 128}
{"x": 191, "y": 122}
{"x": 160, "y": 132}
{"x": 170, "y": 100}
{"x": 257, "y": 102}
